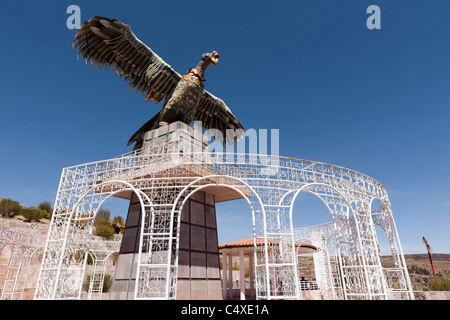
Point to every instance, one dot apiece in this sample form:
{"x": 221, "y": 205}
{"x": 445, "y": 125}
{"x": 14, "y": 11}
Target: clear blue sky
{"x": 376, "y": 101}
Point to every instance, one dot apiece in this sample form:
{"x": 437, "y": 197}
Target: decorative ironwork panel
{"x": 165, "y": 172}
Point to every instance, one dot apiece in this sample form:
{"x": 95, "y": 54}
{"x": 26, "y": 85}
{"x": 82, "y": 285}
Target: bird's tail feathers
{"x": 138, "y": 137}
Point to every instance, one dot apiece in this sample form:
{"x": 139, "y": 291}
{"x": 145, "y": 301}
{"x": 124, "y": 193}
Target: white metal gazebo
{"x": 165, "y": 175}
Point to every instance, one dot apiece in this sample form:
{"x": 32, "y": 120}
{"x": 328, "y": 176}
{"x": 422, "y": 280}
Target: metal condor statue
{"x": 111, "y": 43}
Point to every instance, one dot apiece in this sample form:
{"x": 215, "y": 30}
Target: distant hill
{"x": 418, "y": 265}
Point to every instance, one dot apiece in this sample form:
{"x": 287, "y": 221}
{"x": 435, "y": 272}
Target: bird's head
{"x": 211, "y": 58}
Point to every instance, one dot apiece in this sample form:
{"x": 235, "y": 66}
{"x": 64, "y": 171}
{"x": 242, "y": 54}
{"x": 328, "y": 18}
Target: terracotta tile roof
{"x": 259, "y": 241}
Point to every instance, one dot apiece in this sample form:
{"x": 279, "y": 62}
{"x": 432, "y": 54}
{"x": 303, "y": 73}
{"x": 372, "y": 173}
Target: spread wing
{"x": 111, "y": 43}
{"x": 215, "y": 114}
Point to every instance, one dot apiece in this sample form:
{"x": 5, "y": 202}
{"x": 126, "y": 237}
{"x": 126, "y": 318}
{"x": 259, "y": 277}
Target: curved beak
{"x": 214, "y": 57}
{"x": 213, "y": 61}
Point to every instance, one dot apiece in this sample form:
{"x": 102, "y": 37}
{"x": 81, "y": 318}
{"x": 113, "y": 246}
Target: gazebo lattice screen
{"x": 163, "y": 177}
{"x": 23, "y": 245}
{"x": 100, "y": 251}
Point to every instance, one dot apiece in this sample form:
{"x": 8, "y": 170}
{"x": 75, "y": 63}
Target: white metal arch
{"x": 190, "y": 193}
{"x": 141, "y": 195}
{"x": 368, "y": 271}
{"x": 56, "y": 277}
{"x": 302, "y": 235}
{"x": 100, "y": 256}
{"x": 13, "y": 288}
{"x": 391, "y": 232}
{"x": 306, "y": 188}
{"x": 138, "y": 193}
{"x": 261, "y": 204}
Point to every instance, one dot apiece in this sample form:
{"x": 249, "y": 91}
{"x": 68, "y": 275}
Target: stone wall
{"x": 436, "y": 295}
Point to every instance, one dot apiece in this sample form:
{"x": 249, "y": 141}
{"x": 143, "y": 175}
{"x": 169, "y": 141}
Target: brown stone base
{"x": 198, "y": 255}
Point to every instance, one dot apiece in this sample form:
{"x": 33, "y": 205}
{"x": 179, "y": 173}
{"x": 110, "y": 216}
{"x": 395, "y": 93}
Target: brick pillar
{"x": 198, "y": 257}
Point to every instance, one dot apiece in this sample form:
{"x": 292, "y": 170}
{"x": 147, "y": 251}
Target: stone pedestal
{"x": 198, "y": 255}
{"x": 125, "y": 275}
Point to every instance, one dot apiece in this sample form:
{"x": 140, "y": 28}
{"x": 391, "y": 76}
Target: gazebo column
{"x": 224, "y": 276}
{"x": 250, "y": 265}
{"x": 230, "y": 270}
{"x": 242, "y": 274}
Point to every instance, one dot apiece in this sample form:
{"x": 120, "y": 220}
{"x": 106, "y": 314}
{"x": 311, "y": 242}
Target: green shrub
{"x": 46, "y": 206}
{"x": 442, "y": 283}
{"x": 417, "y": 270}
{"x": 9, "y": 208}
{"x": 107, "y": 282}
{"x": 114, "y": 257}
{"x": 118, "y": 223}
{"x": 105, "y": 230}
{"x": 32, "y": 213}
{"x": 102, "y": 217}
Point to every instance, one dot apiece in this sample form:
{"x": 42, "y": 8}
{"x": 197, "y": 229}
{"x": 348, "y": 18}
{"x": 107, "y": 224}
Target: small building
{"x": 232, "y": 280}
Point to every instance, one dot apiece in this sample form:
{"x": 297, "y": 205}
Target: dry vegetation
{"x": 418, "y": 265}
